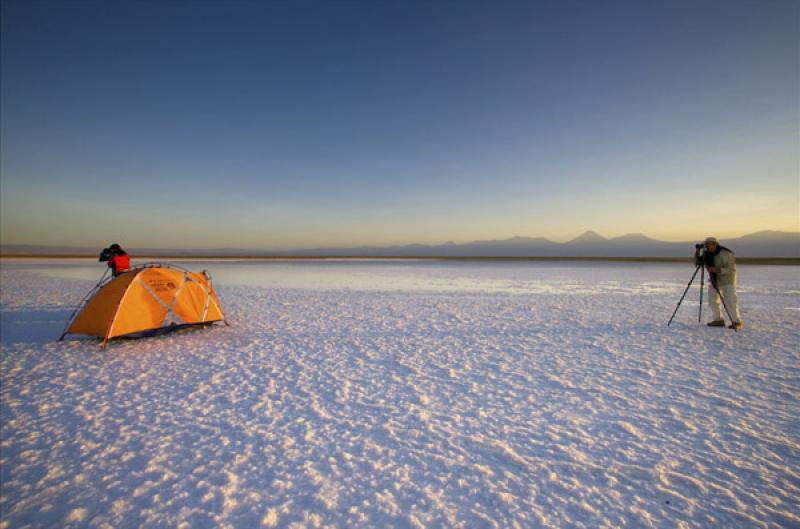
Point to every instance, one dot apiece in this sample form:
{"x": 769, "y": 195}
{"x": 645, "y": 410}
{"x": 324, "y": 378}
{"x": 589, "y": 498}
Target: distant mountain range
{"x": 588, "y": 244}
{"x": 763, "y": 244}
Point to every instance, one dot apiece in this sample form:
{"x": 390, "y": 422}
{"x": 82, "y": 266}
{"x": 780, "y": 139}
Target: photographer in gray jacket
{"x": 721, "y": 265}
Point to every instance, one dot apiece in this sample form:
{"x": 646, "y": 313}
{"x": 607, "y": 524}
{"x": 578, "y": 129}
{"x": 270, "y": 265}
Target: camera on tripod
{"x": 106, "y": 255}
{"x": 700, "y": 256}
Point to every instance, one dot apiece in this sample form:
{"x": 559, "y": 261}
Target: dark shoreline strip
{"x": 785, "y": 261}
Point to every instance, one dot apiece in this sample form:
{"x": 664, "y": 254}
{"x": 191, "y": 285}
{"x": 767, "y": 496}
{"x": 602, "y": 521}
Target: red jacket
{"x": 119, "y": 263}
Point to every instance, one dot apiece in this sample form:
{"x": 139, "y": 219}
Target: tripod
{"x": 700, "y": 309}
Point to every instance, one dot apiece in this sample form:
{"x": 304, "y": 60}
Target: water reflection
{"x": 513, "y": 277}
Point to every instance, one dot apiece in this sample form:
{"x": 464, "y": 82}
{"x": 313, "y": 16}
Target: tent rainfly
{"x": 148, "y": 297}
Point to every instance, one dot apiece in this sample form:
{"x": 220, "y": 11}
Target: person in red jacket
{"x": 118, "y": 259}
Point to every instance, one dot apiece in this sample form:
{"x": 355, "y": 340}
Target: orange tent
{"x": 148, "y": 297}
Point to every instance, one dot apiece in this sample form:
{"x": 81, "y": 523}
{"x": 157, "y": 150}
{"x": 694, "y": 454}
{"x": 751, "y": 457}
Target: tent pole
{"x": 82, "y": 303}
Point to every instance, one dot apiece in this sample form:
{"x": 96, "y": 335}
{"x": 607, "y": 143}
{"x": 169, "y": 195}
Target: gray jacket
{"x": 726, "y": 262}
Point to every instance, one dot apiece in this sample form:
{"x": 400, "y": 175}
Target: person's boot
{"x": 716, "y": 323}
{"x": 736, "y": 325}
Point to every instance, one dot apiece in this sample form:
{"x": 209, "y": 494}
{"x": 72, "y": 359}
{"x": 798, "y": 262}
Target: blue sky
{"x": 276, "y": 125}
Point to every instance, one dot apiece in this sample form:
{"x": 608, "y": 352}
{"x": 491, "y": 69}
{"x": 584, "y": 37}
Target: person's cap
{"x": 711, "y": 239}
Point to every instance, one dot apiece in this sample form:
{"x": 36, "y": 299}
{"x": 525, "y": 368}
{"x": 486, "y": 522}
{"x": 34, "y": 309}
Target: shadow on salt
{"x": 32, "y": 326}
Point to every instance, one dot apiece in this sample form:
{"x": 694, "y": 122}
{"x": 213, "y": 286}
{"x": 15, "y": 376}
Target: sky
{"x": 286, "y": 125}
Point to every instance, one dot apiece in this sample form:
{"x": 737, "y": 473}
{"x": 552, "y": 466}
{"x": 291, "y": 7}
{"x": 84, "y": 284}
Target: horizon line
{"x": 392, "y": 245}
{"x": 789, "y": 261}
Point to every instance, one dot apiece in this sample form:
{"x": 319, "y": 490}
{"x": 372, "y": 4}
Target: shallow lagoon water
{"x": 410, "y": 275}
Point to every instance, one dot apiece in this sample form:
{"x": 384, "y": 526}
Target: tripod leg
{"x": 700, "y": 309}
{"x": 724, "y": 305}
{"x": 684, "y": 294}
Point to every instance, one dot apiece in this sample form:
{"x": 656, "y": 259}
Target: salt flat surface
{"x": 408, "y": 395}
